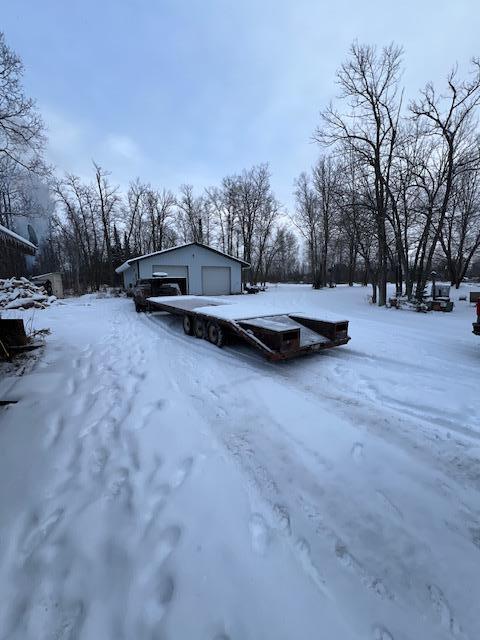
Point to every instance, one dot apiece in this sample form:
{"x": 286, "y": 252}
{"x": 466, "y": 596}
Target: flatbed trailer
{"x": 278, "y": 336}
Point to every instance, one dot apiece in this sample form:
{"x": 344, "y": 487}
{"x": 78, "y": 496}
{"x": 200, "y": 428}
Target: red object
{"x": 478, "y": 308}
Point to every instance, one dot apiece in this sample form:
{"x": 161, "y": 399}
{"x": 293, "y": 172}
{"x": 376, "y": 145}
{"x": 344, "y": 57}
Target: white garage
{"x": 205, "y": 270}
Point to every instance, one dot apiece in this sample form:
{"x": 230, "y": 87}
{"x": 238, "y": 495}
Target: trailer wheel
{"x": 215, "y": 334}
{"x": 187, "y": 325}
{"x": 199, "y": 328}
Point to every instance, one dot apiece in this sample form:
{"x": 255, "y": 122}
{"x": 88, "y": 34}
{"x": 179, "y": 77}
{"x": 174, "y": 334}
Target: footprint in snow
{"x": 167, "y": 542}
{"x": 283, "y": 517}
{"x": 152, "y": 476}
{"x": 55, "y": 432}
{"x": 38, "y": 531}
{"x": 303, "y": 552}
{"x": 121, "y": 488}
{"x": 158, "y": 596}
{"x": 258, "y": 533}
{"x": 98, "y": 461}
{"x": 380, "y": 633}
{"x": 182, "y": 472}
{"x": 164, "y": 589}
{"x": 351, "y": 563}
{"x": 475, "y": 533}
{"x": 69, "y": 622}
{"x": 357, "y": 452}
{"x": 161, "y": 493}
{"x": 70, "y": 386}
{"x": 444, "y": 612}
{"x": 149, "y": 410}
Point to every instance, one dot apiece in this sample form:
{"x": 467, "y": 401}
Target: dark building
{"x": 13, "y": 249}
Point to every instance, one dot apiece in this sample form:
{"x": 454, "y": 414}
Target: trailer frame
{"x": 276, "y": 336}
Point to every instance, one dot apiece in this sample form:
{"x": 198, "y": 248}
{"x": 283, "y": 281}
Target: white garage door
{"x": 172, "y": 270}
{"x": 216, "y": 281}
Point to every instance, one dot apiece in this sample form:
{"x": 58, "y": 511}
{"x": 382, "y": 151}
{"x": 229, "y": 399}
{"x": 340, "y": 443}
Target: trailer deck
{"x": 277, "y": 336}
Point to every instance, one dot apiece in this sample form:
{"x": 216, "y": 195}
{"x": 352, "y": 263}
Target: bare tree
{"x": 108, "y": 200}
{"x": 450, "y": 120}
{"x": 191, "y": 212}
{"x": 368, "y": 127}
{"x": 159, "y": 206}
{"x": 325, "y": 179}
{"x": 223, "y": 204}
{"x": 133, "y": 215}
{"x": 306, "y": 219}
{"x": 21, "y": 128}
{"x": 460, "y": 236}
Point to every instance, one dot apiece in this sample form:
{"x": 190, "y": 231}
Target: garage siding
{"x": 130, "y": 277}
{"x": 216, "y": 281}
{"x": 172, "y": 270}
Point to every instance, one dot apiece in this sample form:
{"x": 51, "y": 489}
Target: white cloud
{"x": 63, "y": 134}
{"x": 124, "y": 146}
{"x": 73, "y": 143}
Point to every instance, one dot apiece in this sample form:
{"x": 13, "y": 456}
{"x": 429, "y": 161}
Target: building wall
{"x": 193, "y": 257}
{"x": 12, "y": 261}
{"x": 130, "y": 276}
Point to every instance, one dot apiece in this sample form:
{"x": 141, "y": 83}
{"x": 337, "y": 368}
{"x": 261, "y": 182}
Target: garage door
{"x": 216, "y": 281}
{"x": 172, "y": 270}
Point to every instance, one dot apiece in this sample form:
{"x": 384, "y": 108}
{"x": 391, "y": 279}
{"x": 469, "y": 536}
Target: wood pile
{"x": 20, "y": 293}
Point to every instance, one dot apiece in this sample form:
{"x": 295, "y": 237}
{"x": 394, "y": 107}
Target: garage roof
{"x": 129, "y": 263}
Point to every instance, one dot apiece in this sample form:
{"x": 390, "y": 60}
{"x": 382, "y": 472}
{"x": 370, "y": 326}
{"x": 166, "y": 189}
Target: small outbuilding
{"x": 204, "y": 270}
{"x": 52, "y": 281}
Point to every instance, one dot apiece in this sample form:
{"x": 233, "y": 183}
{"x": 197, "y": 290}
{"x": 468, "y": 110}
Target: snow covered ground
{"x": 154, "y": 486}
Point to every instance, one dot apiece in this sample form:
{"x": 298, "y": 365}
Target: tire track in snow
{"x": 266, "y": 487}
{"x": 351, "y": 407}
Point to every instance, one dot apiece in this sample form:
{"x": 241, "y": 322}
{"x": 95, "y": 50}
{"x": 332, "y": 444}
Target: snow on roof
{"x": 15, "y": 237}
{"x": 126, "y": 265}
{"x": 46, "y": 275}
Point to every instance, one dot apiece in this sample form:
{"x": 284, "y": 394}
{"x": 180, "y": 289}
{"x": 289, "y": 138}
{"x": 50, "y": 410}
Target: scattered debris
{"x": 20, "y": 293}
{"x": 109, "y": 292}
{"x": 402, "y": 302}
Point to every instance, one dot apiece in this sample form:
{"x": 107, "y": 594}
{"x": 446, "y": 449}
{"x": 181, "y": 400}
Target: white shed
{"x": 55, "y": 279}
{"x": 207, "y": 271}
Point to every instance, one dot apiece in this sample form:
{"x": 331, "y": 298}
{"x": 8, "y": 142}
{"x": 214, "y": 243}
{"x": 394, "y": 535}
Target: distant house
{"x": 205, "y": 271}
{"x": 13, "y": 249}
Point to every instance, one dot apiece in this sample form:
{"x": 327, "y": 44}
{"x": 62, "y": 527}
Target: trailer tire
{"x": 187, "y": 325}
{"x": 215, "y": 334}
{"x": 199, "y": 328}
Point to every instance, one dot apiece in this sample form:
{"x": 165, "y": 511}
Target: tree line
{"x": 398, "y": 186}
{"x": 395, "y": 192}
{"x": 96, "y": 228}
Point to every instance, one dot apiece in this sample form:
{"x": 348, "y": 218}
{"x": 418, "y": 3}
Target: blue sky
{"x": 176, "y": 92}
